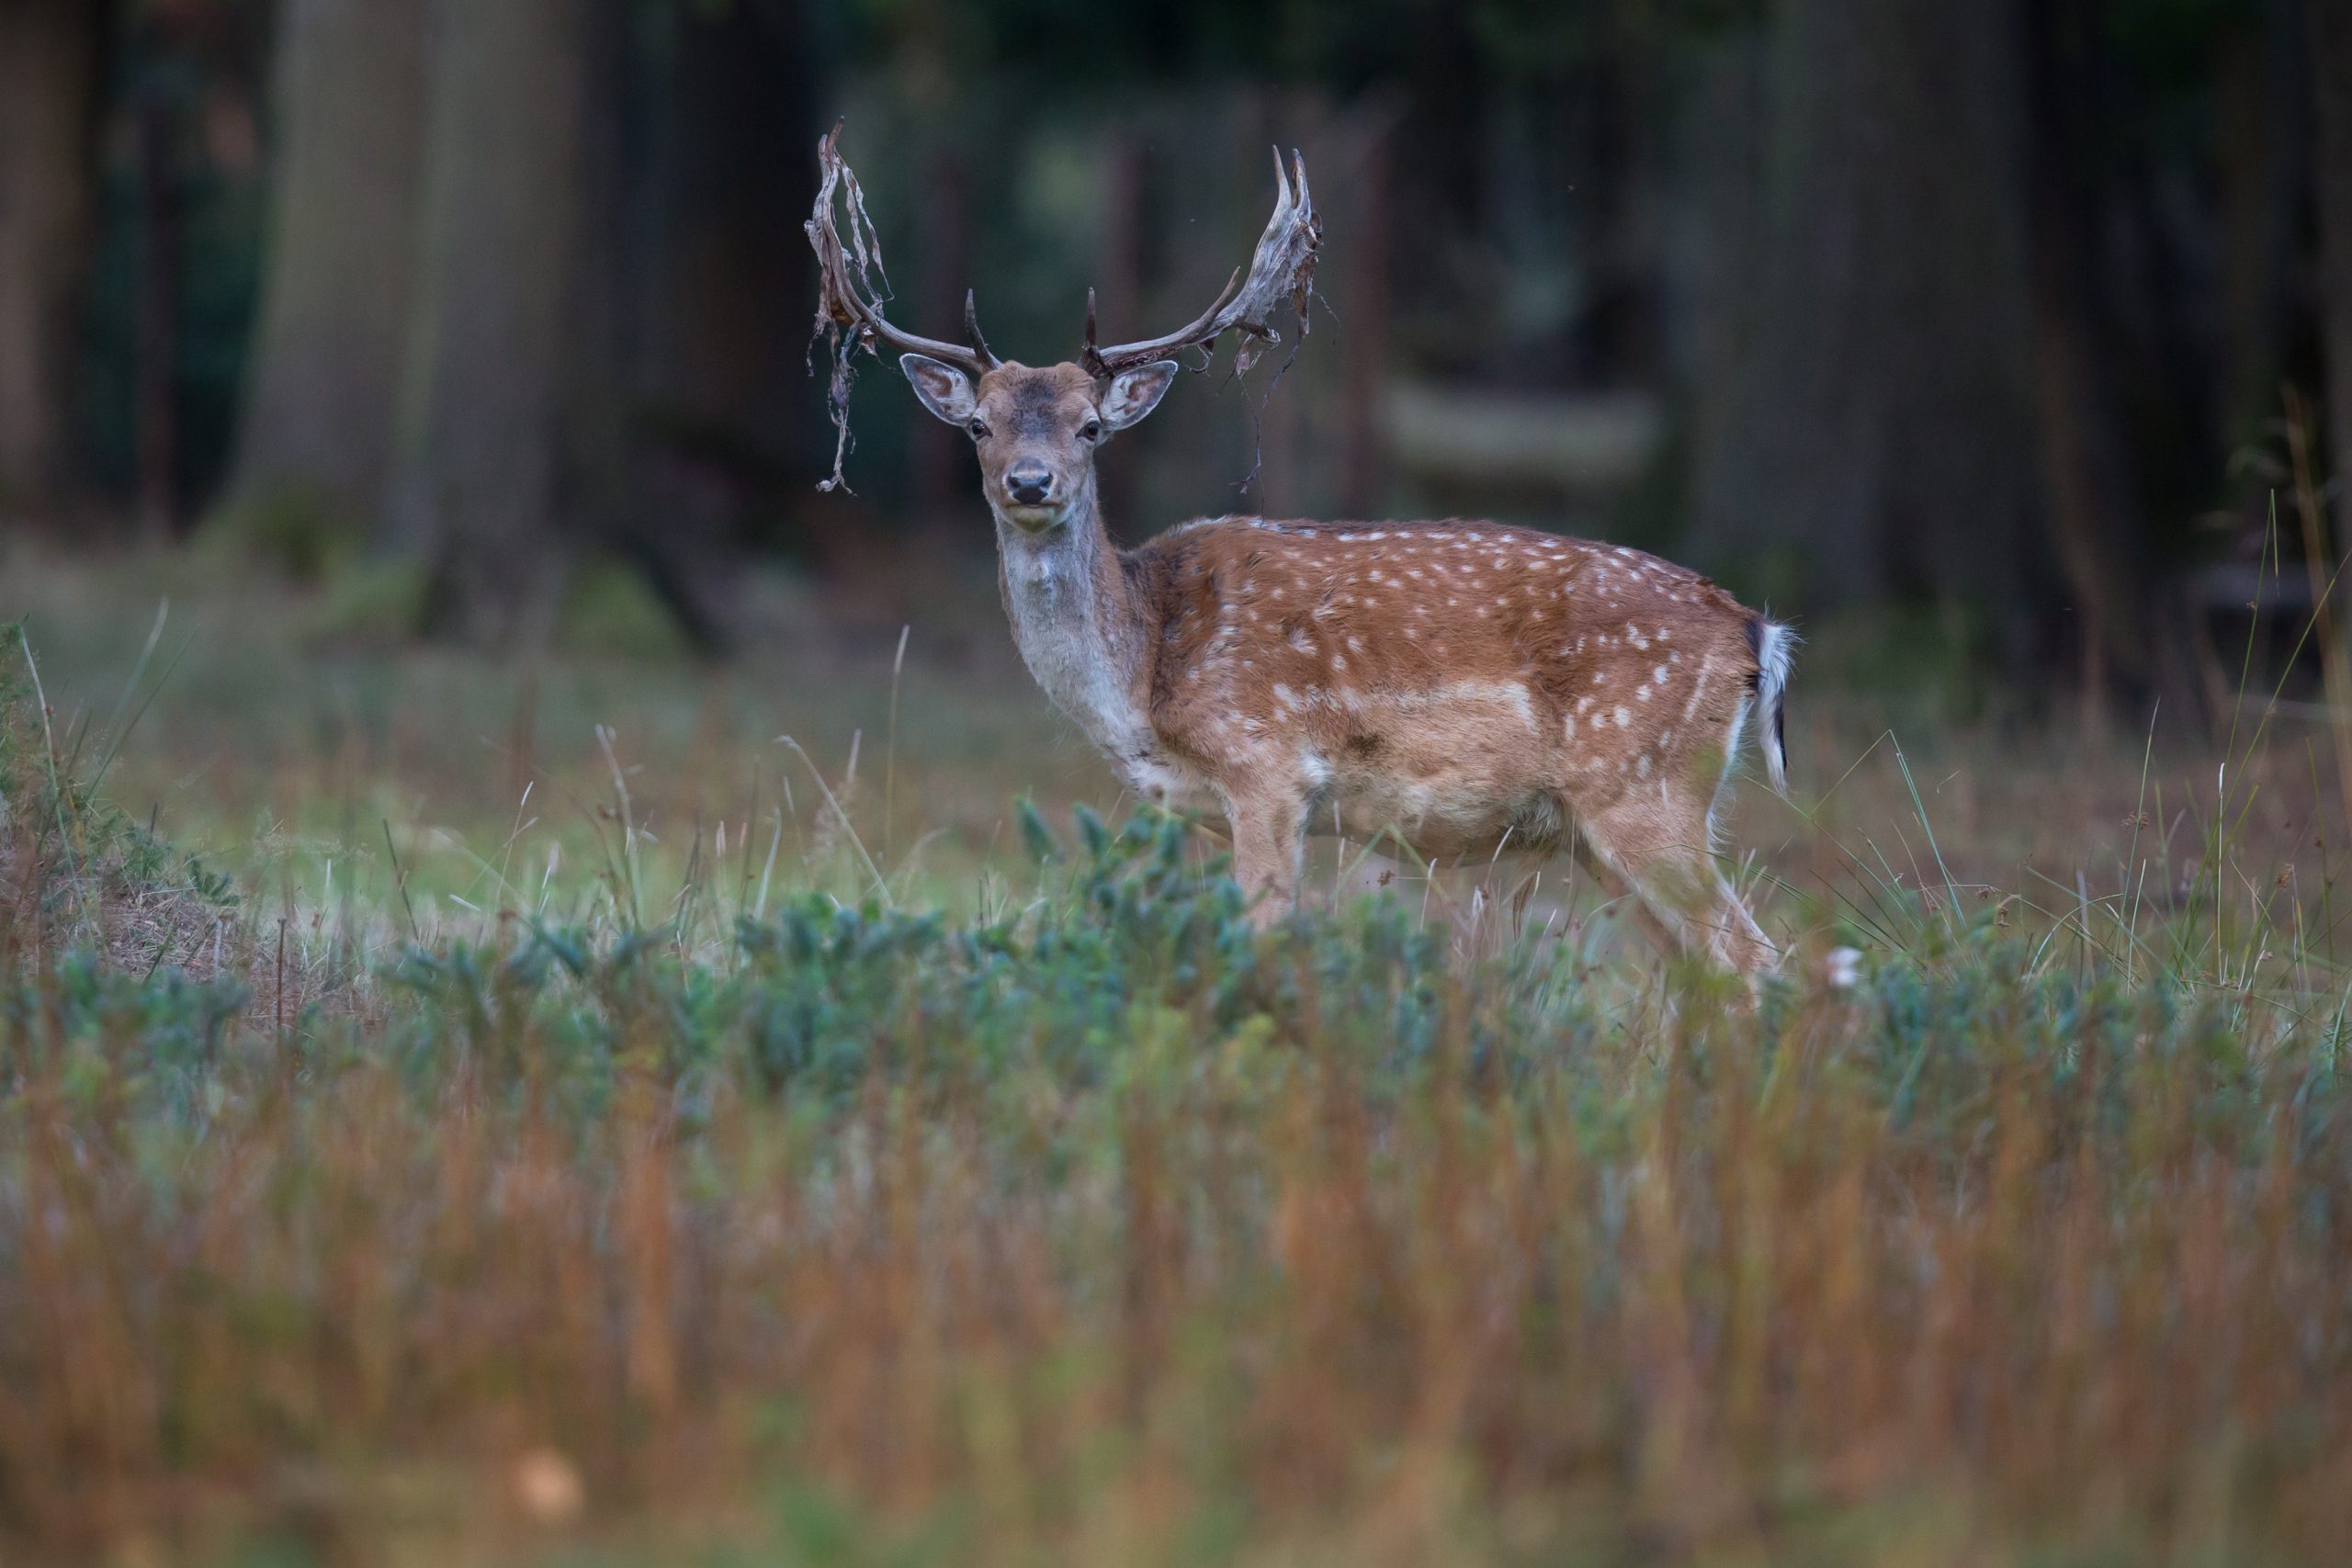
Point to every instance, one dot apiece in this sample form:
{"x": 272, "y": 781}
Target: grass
{"x": 511, "y": 1172}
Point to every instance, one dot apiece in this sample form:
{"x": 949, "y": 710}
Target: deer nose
{"x": 1029, "y": 483}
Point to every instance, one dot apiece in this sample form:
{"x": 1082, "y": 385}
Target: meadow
{"x": 458, "y": 1111}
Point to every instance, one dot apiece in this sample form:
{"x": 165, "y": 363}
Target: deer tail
{"x": 1774, "y": 646}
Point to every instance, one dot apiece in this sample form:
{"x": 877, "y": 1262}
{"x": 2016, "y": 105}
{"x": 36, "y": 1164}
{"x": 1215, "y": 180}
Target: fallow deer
{"x": 1465, "y": 686}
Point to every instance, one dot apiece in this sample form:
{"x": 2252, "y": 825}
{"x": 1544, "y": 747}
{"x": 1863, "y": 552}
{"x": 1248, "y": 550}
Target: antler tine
{"x": 849, "y": 309}
{"x": 846, "y": 296}
{"x": 1281, "y": 270}
{"x": 972, "y": 331}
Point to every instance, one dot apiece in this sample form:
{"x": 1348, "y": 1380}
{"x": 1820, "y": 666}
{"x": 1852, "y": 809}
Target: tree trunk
{"x": 728, "y": 316}
{"x": 1876, "y": 424}
{"x": 1118, "y": 297}
{"x": 612, "y": 492}
{"x": 50, "y": 52}
{"x": 2330, "y": 27}
{"x": 725, "y": 405}
{"x": 480, "y": 438}
{"x": 2095, "y": 517}
{"x": 155, "y": 352}
{"x": 322, "y": 405}
{"x": 1363, "y": 349}
{"x": 942, "y": 457}
{"x": 2259, "y": 137}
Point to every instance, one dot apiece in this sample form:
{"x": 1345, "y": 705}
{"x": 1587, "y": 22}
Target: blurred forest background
{"x": 2005, "y": 319}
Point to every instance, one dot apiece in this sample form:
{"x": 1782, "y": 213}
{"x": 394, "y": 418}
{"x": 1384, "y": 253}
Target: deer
{"x": 1457, "y": 687}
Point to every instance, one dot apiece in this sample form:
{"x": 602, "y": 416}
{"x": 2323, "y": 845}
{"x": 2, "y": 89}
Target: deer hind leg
{"x": 1621, "y": 894}
{"x": 1657, "y": 840}
{"x": 1269, "y": 839}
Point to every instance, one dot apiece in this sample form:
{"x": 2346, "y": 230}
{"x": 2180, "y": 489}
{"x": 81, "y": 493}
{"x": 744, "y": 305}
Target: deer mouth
{"x": 1035, "y": 520}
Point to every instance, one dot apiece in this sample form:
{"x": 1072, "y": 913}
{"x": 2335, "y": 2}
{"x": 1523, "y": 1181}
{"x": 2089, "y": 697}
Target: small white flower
{"x": 1843, "y": 969}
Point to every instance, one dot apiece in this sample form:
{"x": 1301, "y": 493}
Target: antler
{"x": 1281, "y": 270}
{"x": 849, "y": 309}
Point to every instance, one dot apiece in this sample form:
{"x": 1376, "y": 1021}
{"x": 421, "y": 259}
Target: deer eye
{"x": 977, "y": 428}
{"x": 1091, "y": 431}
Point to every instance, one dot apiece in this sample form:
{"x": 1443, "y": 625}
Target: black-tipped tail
{"x": 1775, "y": 648}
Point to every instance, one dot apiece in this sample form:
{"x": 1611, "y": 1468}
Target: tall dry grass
{"x": 728, "y": 1203}
{"x": 1112, "y": 1234}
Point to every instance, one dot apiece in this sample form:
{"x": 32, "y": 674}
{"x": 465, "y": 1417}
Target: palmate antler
{"x": 849, "y": 309}
{"x": 1281, "y": 272}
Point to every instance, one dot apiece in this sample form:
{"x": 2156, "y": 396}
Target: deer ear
{"x": 945, "y": 390}
{"x": 1135, "y": 393}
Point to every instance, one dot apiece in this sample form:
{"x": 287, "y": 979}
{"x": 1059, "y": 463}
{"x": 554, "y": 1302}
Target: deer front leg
{"x": 1269, "y": 839}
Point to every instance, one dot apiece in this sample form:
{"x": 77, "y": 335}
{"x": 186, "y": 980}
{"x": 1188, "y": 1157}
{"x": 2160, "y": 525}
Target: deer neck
{"x": 1074, "y": 619}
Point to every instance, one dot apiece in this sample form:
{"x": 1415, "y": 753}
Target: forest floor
{"x": 603, "y": 1107}
{"x": 302, "y": 763}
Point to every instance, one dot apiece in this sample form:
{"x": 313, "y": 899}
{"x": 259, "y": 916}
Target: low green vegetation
{"x": 742, "y": 1207}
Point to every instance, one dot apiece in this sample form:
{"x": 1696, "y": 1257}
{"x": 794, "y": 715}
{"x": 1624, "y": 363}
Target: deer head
{"x": 1036, "y": 429}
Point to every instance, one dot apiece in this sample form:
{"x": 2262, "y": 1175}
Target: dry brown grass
{"x": 1088, "y": 1227}
{"x": 1667, "y": 1300}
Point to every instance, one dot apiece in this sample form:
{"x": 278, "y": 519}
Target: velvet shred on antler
{"x": 851, "y": 285}
{"x": 846, "y": 278}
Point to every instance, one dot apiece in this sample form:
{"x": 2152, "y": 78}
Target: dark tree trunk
{"x": 1363, "y": 350}
{"x": 2090, "y": 502}
{"x": 1723, "y": 129}
{"x": 322, "y": 406}
{"x": 2258, "y": 136}
{"x": 1439, "y": 158}
{"x": 728, "y": 307}
{"x": 50, "y": 52}
{"x": 942, "y": 461}
{"x": 1118, "y": 297}
{"x": 610, "y": 493}
{"x": 718, "y": 328}
{"x": 2330, "y": 31}
{"x": 156, "y": 353}
{"x": 481, "y": 438}
{"x": 1876, "y": 425}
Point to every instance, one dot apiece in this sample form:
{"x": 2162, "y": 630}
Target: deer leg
{"x": 1659, "y": 845}
{"x": 1269, "y": 839}
{"x": 1665, "y": 939}
{"x": 1734, "y": 939}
